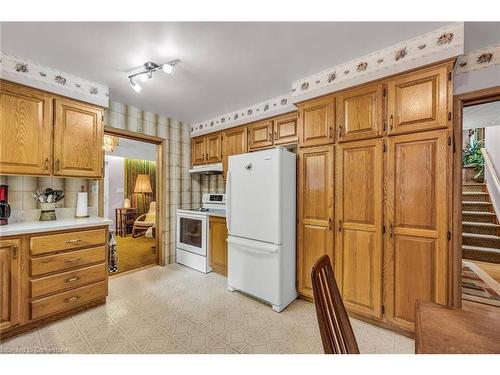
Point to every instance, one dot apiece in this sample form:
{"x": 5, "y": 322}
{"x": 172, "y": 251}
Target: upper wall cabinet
{"x": 206, "y": 149}
{"x": 359, "y": 113}
{"x": 317, "y": 122}
{"x": 26, "y": 131}
{"x": 418, "y": 101}
{"x": 78, "y": 137}
{"x": 234, "y": 142}
{"x": 285, "y": 129}
{"x": 260, "y": 135}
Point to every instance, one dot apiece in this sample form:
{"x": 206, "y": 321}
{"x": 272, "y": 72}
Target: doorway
{"x": 132, "y": 198}
{"x": 479, "y": 266}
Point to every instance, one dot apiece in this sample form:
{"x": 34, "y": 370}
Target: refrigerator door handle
{"x": 228, "y": 201}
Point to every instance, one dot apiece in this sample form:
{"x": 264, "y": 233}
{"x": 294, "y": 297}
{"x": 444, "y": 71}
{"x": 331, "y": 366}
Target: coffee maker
{"x": 4, "y": 206}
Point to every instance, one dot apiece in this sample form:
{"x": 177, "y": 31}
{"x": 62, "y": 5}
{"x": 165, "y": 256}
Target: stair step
{"x": 480, "y": 228}
{"x": 475, "y": 196}
{"x": 481, "y": 240}
{"x": 470, "y": 187}
{"x": 478, "y": 216}
{"x": 477, "y": 206}
{"x": 485, "y": 254}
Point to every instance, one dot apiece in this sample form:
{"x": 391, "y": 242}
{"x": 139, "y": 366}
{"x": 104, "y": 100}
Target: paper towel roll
{"x": 82, "y": 209}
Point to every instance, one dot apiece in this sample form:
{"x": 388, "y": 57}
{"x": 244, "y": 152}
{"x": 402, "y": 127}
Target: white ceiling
{"x": 224, "y": 66}
{"x": 482, "y": 115}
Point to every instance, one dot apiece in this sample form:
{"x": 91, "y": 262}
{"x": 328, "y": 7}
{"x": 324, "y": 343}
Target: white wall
{"x": 116, "y": 179}
{"x": 492, "y": 145}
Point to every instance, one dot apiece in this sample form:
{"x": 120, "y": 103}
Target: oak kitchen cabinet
{"x": 48, "y": 275}
{"x": 419, "y": 101}
{"x": 317, "y": 122}
{"x": 44, "y": 134}
{"x": 276, "y": 131}
{"x": 218, "y": 244}
{"x": 315, "y": 210}
{"x": 206, "y": 149}
{"x": 359, "y": 113}
{"x": 78, "y": 139}
{"x": 416, "y": 261}
{"x": 234, "y": 142}
{"x": 26, "y": 129}
{"x": 359, "y": 247}
{"x": 10, "y": 277}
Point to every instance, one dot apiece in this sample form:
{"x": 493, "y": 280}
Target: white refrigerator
{"x": 260, "y": 216}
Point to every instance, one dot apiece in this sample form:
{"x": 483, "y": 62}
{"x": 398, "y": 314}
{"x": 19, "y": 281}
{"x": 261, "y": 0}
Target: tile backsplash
{"x": 25, "y": 208}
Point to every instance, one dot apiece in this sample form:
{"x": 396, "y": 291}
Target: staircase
{"x": 480, "y": 227}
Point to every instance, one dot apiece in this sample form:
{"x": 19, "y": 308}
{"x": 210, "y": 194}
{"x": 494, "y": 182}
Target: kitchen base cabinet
{"x": 315, "y": 198}
{"x": 218, "y": 245}
{"x": 57, "y": 281}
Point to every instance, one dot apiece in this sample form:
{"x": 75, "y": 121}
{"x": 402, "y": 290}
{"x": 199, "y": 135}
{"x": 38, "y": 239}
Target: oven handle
{"x": 228, "y": 201}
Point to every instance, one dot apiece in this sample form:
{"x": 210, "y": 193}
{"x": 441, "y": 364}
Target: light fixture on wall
{"x": 110, "y": 143}
{"x": 147, "y": 73}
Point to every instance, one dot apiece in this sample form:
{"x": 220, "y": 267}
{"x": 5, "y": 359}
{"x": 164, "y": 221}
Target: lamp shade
{"x": 143, "y": 184}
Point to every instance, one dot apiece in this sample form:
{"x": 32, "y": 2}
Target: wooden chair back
{"x": 334, "y": 325}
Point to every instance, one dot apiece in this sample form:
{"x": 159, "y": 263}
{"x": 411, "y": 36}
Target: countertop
{"x": 48, "y": 226}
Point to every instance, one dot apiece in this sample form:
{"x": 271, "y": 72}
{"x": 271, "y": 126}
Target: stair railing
{"x": 494, "y": 185}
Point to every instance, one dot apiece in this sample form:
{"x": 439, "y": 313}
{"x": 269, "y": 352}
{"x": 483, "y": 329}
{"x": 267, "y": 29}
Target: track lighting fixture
{"x": 147, "y": 73}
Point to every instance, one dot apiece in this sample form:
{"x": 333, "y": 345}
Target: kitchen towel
{"x": 82, "y": 209}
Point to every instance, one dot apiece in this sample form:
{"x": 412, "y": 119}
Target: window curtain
{"x": 133, "y": 168}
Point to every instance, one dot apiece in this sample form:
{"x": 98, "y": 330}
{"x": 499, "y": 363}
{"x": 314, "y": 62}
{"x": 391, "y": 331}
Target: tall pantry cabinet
{"x": 389, "y": 220}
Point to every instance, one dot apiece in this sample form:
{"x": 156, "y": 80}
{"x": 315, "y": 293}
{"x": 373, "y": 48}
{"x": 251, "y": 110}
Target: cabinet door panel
{"x": 315, "y": 189}
{"x": 359, "y": 215}
{"x": 198, "y": 151}
{"x": 78, "y": 140}
{"x": 218, "y": 245}
{"x": 285, "y": 129}
{"x": 234, "y": 142}
{"x": 10, "y": 277}
{"x": 359, "y": 113}
{"x": 26, "y": 131}
{"x": 417, "y": 215}
{"x": 418, "y": 101}
{"x": 260, "y": 135}
{"x": 316, "y": 122}
{"x": 213, "y": 148}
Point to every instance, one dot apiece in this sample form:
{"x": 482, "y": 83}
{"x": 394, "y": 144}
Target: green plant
{"x": 473, "y": 157}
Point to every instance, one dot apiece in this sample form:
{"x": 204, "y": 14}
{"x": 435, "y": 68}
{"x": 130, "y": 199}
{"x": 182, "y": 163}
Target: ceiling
{"x": 224, "y": 66}
{"x": 482, "y": 115}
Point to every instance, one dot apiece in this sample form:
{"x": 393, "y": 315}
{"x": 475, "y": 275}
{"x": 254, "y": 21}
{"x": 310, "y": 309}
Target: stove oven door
{"x": 192, "y": 233}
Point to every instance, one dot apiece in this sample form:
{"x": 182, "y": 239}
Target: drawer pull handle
{"x": 71, "y": 279}
{"x": 74, "y": 242}
{"x": 72, "y": 260}
{"x": 71, "y": 299}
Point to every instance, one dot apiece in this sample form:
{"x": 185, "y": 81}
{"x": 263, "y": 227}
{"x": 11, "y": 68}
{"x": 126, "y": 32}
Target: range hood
{"x": 215, "y": 168}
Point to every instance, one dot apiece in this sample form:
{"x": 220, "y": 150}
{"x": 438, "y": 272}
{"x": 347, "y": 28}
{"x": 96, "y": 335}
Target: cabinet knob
{"x": 46, "y": 164}
{"x": 391, "y": 122}
{"x": 57, "y": 164}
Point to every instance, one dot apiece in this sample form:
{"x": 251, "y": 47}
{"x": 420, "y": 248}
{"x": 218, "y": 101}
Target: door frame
{"x": 460, "y": 101}
{"x": 160, "y": 183}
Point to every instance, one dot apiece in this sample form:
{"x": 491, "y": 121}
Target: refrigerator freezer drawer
{"x": 255, "y": 270}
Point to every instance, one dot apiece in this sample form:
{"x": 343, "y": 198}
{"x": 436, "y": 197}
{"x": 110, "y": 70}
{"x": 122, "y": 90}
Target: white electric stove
{"x": 192, "y": 232}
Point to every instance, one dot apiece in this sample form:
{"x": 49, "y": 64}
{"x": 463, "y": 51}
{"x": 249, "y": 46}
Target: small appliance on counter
{"x": 4, "y": 205}
{"x": 192, "y": 232}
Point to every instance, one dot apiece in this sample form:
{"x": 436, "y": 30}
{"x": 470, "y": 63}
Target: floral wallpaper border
{"x": 27, "y": 72}
{"x": 478, "y": 59}
{"x": 267, "y": 108}
{"x": 437, "y": 45}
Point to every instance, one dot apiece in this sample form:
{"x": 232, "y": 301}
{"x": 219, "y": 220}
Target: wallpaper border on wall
{"x": 267, "y": 108}
{"x": 437, "y": 45}
{"x": 29, "y": 73}
{"x": 479, "y": 59}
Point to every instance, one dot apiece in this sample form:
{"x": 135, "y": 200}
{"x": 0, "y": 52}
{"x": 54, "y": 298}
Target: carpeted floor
{"x": 478, "y": 286}
{"x": 134, "y": 252}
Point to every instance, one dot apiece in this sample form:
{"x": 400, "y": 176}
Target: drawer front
{"x": 67, "y": 261}
{"x": 67, "y": 241}
{"x": 67, "y": 300}
{"x": 67, "y": 280}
